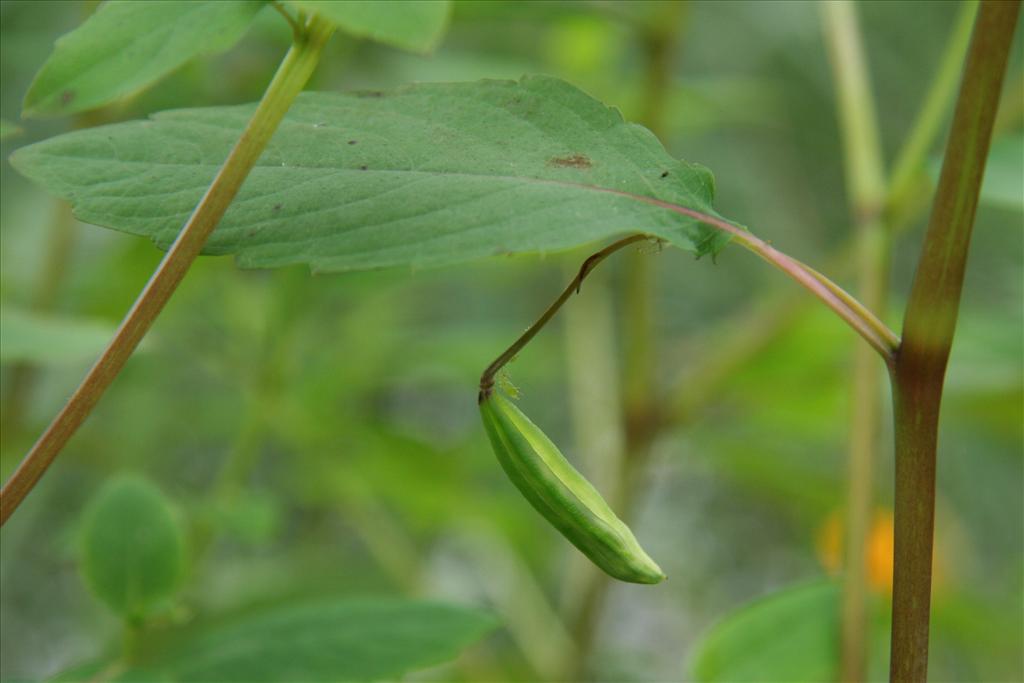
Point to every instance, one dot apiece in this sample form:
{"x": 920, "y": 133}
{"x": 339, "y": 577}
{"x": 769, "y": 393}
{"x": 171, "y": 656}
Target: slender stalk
{"x": 734, "y": 349}
{"x": 865, "y": 181}
{"x": 487, "y": 378}
{"x": 929, "y": 324}
{"x": 291, "y": 77}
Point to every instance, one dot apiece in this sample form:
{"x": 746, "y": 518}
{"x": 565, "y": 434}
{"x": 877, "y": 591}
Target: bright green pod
{"x": 560, "y": 493}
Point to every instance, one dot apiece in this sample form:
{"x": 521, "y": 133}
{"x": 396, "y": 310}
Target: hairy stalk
{"x": 865, "y": 183}
{"x": 291, "y": 77}
{"x": 929, "y": 324}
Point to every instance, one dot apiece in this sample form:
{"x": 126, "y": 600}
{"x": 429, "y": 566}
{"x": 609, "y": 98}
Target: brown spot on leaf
{"x": 363, "y": 168}
{"x": 277, "y": 207}
{"x": 574, "y": 161}
{"x": 664, "y": 174}
{"x": 352, "y": 142}
{"x": 67, "y": 97}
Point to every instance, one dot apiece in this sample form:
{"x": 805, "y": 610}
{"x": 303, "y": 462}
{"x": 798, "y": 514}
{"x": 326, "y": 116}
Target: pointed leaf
{"x": 415, "y": 25}
{"x": 127, "y": 45}
{"x": 132, "y": 547}
{"x": 423, "y": 175}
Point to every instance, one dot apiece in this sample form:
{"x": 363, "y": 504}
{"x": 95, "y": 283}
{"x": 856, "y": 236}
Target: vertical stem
{"x": 865, "y": 183}
{"x": 928, "y": 328}
{"x": 640, "y": 413}
{"x": 291, "y": 77}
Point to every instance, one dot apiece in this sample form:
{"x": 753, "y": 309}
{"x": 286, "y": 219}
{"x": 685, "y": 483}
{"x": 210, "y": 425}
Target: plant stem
{"x": 865, "y": 180}
{"x": 929, "y": 324}
{"x": 487, "y": 378}
{"x": 291, "y": 77}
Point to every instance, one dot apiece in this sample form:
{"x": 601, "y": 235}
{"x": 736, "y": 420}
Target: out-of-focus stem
{"x": 865, "y": 182}
{"x": 18, "y": 388}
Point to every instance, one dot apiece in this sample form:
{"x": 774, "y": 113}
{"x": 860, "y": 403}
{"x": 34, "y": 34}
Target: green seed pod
{"x": 560, "y": 493}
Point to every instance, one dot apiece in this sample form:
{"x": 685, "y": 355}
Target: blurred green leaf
{"x": 50, "y": 339}
{"x": 415, "y": 25}
{"x": 332, "y": 640}
{"x": 423, "y": 175}
{"x": 791, "y": 635}
{"x": 132, "y": 546}
{"x": 127, "y": 45}
{"x": 8, "y": 129}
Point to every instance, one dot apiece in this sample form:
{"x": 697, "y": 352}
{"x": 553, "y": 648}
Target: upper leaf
{"x": 132, "y": 547}
{"x": 127, "y": 45}
{"x": 423, "y": 175}
{"x": 415, "y": 25}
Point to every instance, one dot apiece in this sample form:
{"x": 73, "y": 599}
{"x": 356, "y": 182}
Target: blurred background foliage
{"x": 319, "y": 436}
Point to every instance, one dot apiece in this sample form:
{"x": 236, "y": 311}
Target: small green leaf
{"x": 127, "y": 45}
{"x": 49, "y": 339}
{"x": 424, "y": 175}
{"x": 330, "y": 640}
{"x": 791, "y": 635}
{"x": 415, "y": 25}
{"x": 132, "y": 547}
{"x": 8, "y": 129}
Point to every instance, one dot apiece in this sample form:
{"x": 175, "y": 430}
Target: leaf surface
{"x": 424, "y": 175}
{"x": 367, "y": 639}
{"x": 127, "y": 45}
{"x": 132, "y": 546}
{"x": 415, "y": 25}
{"x": 792, "y": 635}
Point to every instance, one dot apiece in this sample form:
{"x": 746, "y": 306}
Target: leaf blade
{"x": 425, "y": 175}
{"x": 417, "y": 26}
{"x": 127, "y": 45}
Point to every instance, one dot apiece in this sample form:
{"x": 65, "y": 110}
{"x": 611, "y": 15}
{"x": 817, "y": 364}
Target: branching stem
{"x": 291, "y": 77}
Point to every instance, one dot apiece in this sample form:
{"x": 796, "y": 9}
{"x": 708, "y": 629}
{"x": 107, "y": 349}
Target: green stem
{"x": 865, "y": 181}
{"x": 487, "y": 378}
{"x": 929, "y": 324}
{"x": 291, "y": 77}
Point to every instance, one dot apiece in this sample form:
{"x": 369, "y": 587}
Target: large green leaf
{"x": 127, "y": 45}
{"x": 422, "y": 175}
{"x": 791, "y": 636}
{"x": 132, "y": 547}
{"x": 368, "y": 639}
{"x": 415, "y": 25}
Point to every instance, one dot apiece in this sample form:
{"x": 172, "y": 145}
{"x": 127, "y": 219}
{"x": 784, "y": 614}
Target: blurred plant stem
{"x": 928, "y": 328}
{"x": 865, "y": 186}
{"x": 291, "y": 77}
{"x": 629, "y": 429}
{"x": 60, "y": 243}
